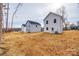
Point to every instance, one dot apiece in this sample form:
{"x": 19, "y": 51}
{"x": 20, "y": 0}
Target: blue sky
{"x": 38, "y": 11}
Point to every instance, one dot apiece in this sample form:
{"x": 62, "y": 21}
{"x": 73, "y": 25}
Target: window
{"x": 46, "y": 22}
{"x": 46, "y": 28}
{"x": 52, "y": 29}
{"x": 54, "y": 20}
{"x": 36, "y": 25}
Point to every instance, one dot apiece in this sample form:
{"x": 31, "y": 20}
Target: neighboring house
{"x": 31, "y": 26}
{"x": 53, "y": 23}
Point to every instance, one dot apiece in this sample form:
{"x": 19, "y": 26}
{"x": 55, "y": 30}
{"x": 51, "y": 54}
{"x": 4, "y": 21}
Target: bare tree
{"x": 62, "y": 11}
{"x": 14, "y": 14}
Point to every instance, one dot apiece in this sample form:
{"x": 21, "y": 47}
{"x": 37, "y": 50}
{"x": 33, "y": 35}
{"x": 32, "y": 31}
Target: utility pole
{"x": 1, "y": 18}
{"x": 7, "y": 8}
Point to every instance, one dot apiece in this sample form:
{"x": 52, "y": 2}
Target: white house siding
{"x": 58, "y": 26}
{"x": 28, "y": 27}
{"x": 31, "y": 27}
{"x": 23, "y": 29}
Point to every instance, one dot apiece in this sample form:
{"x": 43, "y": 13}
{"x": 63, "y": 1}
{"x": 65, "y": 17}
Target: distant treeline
{"x": 71, "y": 28}
{"x": 13, "y": 29}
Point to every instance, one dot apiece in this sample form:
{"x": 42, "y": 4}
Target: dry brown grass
{"x": 40, "y": 44}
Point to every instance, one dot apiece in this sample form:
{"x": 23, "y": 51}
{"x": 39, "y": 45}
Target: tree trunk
{"x": 1, "y": 17}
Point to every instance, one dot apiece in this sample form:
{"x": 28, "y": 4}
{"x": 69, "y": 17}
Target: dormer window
{"x": 54, "y": 20}
{"x": 47, "y": 22}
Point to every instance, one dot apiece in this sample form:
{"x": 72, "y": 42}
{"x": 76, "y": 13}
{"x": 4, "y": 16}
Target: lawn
{"x": 40, "y": 44}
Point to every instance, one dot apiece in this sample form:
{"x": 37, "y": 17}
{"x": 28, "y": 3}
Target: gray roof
{"x": 23, "y": 25}
{"x": 33, "y": 22}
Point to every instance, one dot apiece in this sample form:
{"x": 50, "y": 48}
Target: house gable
{"x": 53, "y": 14}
